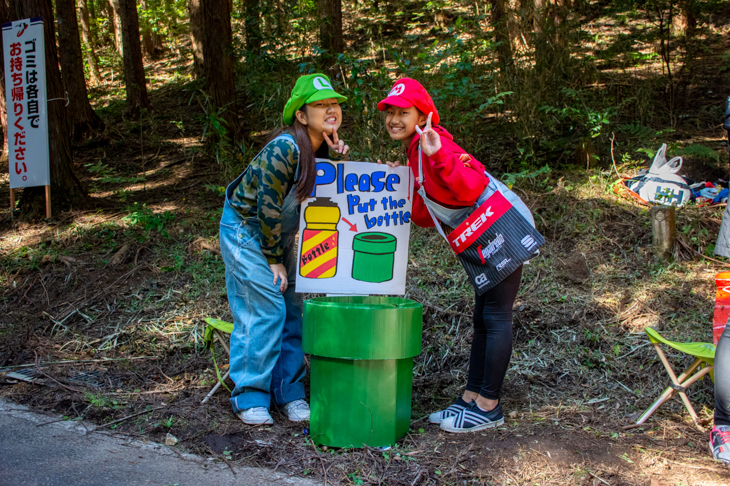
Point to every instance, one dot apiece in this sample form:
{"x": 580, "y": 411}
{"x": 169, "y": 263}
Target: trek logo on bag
{"x": 493, "y": 242}
{"x": 479, "y": 221}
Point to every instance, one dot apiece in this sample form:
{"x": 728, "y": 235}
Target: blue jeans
{"x": 266, "y": 344}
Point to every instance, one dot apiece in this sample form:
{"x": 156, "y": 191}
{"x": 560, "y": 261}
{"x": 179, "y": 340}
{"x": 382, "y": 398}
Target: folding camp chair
{"x": 703, "y": 353}
{"x": 216, "y": 330}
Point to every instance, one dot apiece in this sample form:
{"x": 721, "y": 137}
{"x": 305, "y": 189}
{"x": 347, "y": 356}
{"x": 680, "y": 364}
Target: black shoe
{"x": 452, "y": 410}
{"x": 472, "y": 419}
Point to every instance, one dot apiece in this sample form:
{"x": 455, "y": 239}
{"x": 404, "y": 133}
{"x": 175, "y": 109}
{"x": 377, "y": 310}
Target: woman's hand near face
{"x": 430, "y": 140}
{"x": 279, "y": 271}
{"x": 335, "y": 143}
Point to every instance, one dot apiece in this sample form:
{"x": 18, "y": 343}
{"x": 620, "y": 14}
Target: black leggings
{"x": 722, "y": 379}
{"x": 491, "y": 346}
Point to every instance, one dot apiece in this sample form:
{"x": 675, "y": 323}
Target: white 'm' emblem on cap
{"x": 397, "y": 90}
{"x": 321, "y": 83}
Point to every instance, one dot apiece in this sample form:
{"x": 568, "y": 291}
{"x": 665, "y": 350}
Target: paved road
{"x": 67, "y": 454}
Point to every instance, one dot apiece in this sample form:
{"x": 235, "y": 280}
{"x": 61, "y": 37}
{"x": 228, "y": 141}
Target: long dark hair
{"x": 307, "y": 164}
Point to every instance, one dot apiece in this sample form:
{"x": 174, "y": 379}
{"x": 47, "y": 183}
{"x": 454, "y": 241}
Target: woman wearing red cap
{"x": 257, "y": 231}
{"x": 453, "y": 181}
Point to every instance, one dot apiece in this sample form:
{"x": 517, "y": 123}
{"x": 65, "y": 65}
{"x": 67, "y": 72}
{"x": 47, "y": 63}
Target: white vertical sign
{"x": 25, "y": 95}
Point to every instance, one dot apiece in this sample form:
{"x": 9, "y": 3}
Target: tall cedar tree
{"x": 134, "y": 78}
{"x": 218, "y": 53}
{"x": 195, "y": 9}
{"x": 66, "y": 190}
{"x": 88, "y": 36}
{"x": 115, "y": 18}
{"x": 81, "y": 117}
{"x": 148, "y": 43}
{"x": 500, "y": 24}
{"x": 253, "y": 26}
{"x": 330, "y": 28}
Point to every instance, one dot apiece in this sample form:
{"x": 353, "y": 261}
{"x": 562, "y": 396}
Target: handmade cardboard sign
{"x": 25, "y": 93}
{"x": 354, "y": 230}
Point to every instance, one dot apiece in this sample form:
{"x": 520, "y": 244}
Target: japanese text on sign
{"x": 25, "y": 89}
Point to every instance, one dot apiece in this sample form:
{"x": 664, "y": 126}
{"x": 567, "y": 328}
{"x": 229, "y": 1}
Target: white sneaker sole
{"x": 248, "y": 421}
{"x": 298, "y": 419}
{"x": 458, "y": 430}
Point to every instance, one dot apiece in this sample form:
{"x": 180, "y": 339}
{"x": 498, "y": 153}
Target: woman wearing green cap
{"x": 260, "y": 220}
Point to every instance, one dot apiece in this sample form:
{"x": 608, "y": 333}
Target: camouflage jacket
{"x": 265, "y": 184}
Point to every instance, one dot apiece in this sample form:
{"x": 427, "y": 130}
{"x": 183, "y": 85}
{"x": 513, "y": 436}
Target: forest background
{"x": 168, "y": 100}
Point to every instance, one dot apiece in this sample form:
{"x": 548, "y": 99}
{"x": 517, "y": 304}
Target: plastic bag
{"x": 662, "y": 185}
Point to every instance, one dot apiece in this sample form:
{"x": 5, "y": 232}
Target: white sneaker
{"x": 297, "y": 410}
{"x": 256, "y": 416}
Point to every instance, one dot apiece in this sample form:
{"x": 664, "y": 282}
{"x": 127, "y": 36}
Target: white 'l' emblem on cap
{"x": 397, "y": 90}
{"x": 321, "y": 83}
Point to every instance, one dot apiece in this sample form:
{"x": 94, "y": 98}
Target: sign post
{"x": 27, "y": 114}
{"x": 355, "y": 229}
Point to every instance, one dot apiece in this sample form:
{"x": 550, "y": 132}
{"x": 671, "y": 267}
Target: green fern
{"x": 699, "y": 151}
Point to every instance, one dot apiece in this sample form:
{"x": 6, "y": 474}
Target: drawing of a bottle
{"x": 319, "y": 239}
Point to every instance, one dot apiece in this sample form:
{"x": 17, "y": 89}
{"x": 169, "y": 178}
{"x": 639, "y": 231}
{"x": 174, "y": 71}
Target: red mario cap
{"x": 407, "y": 92}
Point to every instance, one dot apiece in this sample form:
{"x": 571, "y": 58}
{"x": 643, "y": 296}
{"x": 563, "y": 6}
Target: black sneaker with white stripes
{"x": 472, "y": 419}
{"x": 438, "y": 417}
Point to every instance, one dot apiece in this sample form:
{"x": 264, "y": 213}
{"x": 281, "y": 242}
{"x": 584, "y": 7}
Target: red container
{"x": 722, "y": 305}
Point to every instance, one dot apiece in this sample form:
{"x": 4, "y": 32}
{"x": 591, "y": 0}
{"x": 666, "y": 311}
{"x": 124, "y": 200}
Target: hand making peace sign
{"x": 430, "y": 140}
{"x": 335, "y": 143}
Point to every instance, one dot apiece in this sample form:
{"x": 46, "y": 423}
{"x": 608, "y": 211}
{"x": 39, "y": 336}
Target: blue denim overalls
{"x": 266, "y": 344}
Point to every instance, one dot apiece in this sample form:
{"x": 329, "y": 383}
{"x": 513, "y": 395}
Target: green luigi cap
{"x": 310, "y": 88}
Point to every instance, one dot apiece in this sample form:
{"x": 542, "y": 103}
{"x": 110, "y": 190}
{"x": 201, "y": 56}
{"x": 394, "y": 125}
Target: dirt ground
{"x": 125, "y": 300}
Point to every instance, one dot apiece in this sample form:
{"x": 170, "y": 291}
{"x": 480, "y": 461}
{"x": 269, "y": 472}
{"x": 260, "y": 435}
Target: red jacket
{"x": 447, "y": 179}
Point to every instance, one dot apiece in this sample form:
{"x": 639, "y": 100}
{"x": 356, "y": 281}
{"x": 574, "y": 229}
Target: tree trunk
{"x": 500, "y": 24}
{"x": 134, "y": 77}
{"x": 217, "y": 41}
{"x": 252, "y": 24}
{"x": 330, "y": 29}
{"x": 81, "y": 117}
{"x": 5, "y": 16}
{"x": 281, "y": 18}
{"x": 115, "y": 16}
{"x": 66, "y": 190}
{"x": 195, "y": 9}
{"x": 686, "y": 22}
{"x": 147, "y": 44}
{"x": 87, "y": 35}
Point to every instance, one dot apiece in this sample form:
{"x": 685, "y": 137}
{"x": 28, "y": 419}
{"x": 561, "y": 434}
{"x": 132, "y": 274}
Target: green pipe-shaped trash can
{"x": 362, "y": 351}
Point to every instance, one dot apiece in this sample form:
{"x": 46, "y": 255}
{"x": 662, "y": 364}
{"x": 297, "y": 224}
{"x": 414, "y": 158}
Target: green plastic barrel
{"x": 361, "y": 380}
